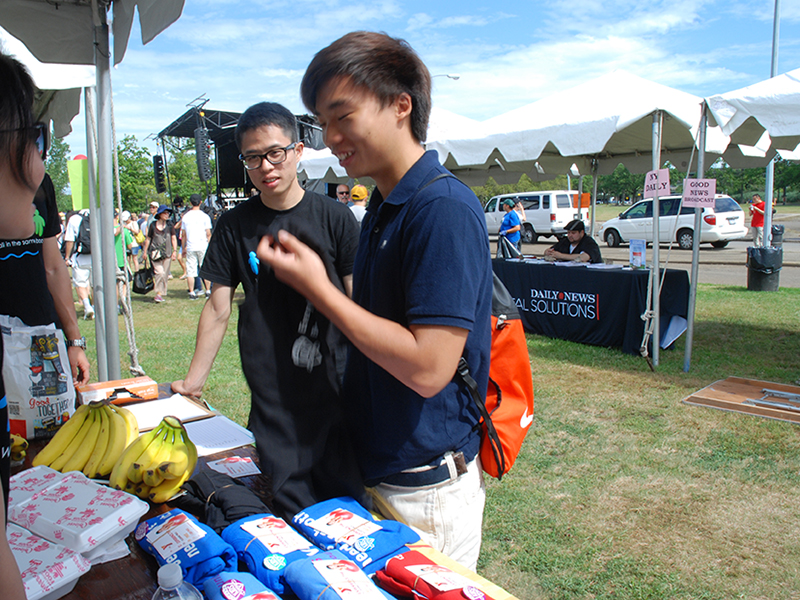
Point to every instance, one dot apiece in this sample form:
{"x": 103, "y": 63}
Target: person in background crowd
{"x": 132, "y": 226}
{"x": 292, "y": 357}
{"x": 80, "y": 258}
{"x": 123, "y": 244}
{"x": 175, "y": 221}
{"x": 422, "y": 291}
{"x": 160, "y": 246}
{"x": 510, "y": 227}
{"x": 576, "y": 245}
{"x": 152, "y": 208}
{"x": 757, "y": 208}
{"x": 195, "y": 234}
{"x": 343, "y": 194}
{"x": 22, "y": 143}
{"x": 359, "y": 194}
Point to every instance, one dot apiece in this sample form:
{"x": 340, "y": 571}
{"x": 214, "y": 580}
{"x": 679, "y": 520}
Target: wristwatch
{"x": 79, "y": 343}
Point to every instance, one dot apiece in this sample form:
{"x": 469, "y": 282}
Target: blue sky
{"x": 507, "y": 54}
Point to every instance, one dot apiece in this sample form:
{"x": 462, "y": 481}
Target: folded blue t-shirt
{"x": 177, "y": 537}
{"x": 319, "y": 577}
{"x": 267, "y": 544}
{"x": 343, "y": 524}
{"x": 227, "y": 586}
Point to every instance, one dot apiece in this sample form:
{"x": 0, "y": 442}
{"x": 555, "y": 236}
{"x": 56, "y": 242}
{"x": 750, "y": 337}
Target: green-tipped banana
{"x": 152, "y": 476}
{"x": 117, "y": 442}
{"x": 119, "y": 475}
{"x": 137, "y": 468}
{"x": 75, "y": 445}
{"x": 62, "y": 438}
{"x": 101, "y": 447}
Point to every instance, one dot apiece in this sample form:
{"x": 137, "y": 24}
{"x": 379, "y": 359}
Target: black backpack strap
{"x": 462, "y": 371}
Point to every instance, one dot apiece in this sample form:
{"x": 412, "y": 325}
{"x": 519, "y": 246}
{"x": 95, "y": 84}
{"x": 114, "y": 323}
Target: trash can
{"x": 764, "y": 265}
{"x": 777, "y": 236}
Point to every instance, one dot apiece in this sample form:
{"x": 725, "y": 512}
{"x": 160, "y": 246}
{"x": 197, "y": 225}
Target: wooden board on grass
{"x": 731, "y": 393}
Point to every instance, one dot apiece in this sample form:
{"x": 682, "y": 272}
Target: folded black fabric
{"x": 219, "y": 500}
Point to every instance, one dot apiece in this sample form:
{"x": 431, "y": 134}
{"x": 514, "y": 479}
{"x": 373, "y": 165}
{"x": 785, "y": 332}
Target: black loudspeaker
{"x": 158, "y": 172}
{"x": 202, "y": 150}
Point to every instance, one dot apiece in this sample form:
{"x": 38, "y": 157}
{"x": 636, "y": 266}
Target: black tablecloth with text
{"x": 590, "y": 306}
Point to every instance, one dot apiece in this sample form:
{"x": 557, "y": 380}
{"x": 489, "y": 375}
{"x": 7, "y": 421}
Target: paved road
{"x": 725, "y": 266}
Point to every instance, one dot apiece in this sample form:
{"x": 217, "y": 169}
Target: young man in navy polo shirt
{"x": 422, "y": 286}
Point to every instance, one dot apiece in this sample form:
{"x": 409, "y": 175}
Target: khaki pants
{"x": 161, "y": 275}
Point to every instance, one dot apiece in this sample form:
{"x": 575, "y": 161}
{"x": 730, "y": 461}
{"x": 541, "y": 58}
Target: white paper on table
{"x": 217, "y": 434}
{"x": 235, "y": 466}
{"x": 149, "y": 414}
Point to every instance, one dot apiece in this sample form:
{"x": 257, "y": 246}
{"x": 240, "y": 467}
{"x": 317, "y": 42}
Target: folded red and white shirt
{"x": 413, "y": 575}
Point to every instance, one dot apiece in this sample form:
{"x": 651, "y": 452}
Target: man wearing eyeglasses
{"x": 292, "y": 357}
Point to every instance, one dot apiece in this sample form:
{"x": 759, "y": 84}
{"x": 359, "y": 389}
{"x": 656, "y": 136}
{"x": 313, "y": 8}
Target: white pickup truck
{"x": 546, "y": 213}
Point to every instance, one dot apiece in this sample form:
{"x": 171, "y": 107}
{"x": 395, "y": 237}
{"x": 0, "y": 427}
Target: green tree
{"x": 56, "y": 166}
{"x": 621, "y": 183}
{"x": 183, "y": 178}
{"x": 135, "y": 174}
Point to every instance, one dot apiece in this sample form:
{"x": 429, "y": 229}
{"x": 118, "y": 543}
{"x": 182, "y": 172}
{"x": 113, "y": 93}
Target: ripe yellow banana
{"x": 81, "y": 456}
{"x": 101, "y": 446}
{"x": 119, "y": 475}
{"x": 131, "y": 422}
{"x": 137, "y": 468}
{"x": 142, "y": 490}
{"x": 18, "y": 443}
{"x": 117, "y": 442}
{"x": 178, "y": 460}
{"x": 56, "y": 446}
{"x": 59, "y": 463}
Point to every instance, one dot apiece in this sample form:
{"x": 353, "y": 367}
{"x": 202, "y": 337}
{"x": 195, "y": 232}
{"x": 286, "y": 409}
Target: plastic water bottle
{"x": 172, "y": 586}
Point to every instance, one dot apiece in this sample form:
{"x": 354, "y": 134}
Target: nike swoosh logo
{"x": 526, "y": 420}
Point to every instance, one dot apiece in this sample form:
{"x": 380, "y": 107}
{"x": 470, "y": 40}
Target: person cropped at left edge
{"x": 575, "y": 246}
{"x": 21, "y": 173}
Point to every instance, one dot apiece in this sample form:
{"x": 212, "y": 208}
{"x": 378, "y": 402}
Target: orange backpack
{"x": 507, "y": 413}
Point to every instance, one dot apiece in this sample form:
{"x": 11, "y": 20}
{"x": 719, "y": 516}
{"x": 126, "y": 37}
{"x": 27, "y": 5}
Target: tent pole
{"x": 97, "y": 278}
{"x": 656, "y": 242}
{"x": 770, "y": 173}
{"x": 698, "y": 223}
{"x": 108, "y": 260}
{"x": 594, "y": 195}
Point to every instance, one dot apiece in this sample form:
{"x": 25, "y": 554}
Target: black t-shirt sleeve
{"x": 52, "y": 224}
{"x": 218, "y": 264}
{"x": 347, "y": 243}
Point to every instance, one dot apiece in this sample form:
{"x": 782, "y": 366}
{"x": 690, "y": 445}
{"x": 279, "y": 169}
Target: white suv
{"x": 546, "y": 212}
{"x": 719, "y": 225}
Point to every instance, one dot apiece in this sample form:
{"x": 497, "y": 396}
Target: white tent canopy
{"x": 77, "y": 32}
{"x": 60, "y": 85}
{"x": 771, "y": 106}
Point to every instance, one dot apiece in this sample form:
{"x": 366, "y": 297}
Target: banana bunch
{"x": 91, "y": 441}
{"x": 155, "y": 466}
{"x": 18, "y": 447}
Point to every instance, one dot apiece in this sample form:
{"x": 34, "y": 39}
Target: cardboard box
{"x": 119, "y": 391}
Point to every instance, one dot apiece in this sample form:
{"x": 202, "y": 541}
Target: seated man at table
{"x": 575, "y": 246}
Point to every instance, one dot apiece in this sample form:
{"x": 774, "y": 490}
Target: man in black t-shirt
{"x": 292, "y": 357}
{"x": 575, "y": 246}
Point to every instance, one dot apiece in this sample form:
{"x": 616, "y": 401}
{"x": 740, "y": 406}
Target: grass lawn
{"x": 621, "y": 491}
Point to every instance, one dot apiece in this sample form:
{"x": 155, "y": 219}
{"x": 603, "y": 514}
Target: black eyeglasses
{"x": 40, "y": 135}
{"x": 274, "y": 157}
{"x": 345, "y": 193}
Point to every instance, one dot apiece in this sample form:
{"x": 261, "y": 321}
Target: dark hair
{"x": 263, "y": 114}
{"x": 384, "y": 65}
{"x": 195, "y": 199}
{"x": 16, "y": 118}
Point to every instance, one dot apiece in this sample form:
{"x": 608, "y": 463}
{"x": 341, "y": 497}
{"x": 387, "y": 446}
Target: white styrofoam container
{"x": 49, "y": 571}
{"x": 72, "y": 510}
